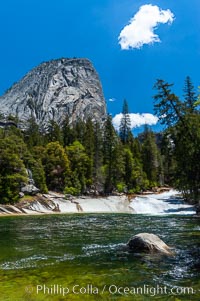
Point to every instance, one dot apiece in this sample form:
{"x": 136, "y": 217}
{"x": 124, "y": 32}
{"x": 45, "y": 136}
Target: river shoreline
{"x": 54, "y": 203}
{"x": 57, "y": 203}
{"x": 149, "y": 202}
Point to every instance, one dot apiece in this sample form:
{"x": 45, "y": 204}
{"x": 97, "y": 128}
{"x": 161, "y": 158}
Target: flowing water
{"x": 83, "y": 257}
{"x": 169, "y": 202}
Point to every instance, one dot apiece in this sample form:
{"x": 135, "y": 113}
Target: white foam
{"x": 163, "y": 203}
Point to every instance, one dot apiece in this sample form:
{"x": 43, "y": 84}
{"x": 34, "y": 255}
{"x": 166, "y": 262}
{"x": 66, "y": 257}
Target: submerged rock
{"x": 147, "y": 242}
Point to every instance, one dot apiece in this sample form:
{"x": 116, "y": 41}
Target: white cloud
{"x": 137, "y": 120}
{"x": 140, "y": 29}
{"x": 111, "y": 99}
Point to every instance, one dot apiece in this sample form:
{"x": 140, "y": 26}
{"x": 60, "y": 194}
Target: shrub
{"x": 121, "y": 187}
{"x": 71, "y": 190}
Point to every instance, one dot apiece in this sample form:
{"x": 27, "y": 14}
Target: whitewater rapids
{"x": 164, "y": 203}
{"x": 168, "y": 202}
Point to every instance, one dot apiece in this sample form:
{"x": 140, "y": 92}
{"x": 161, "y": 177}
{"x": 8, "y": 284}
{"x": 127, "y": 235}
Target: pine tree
{"x": 128, "y": 165}
{"x": 168, "y": 158}
{"x": 118, "y": 164}
{"x": 125, "y": 124}
{"x": 110, "y": 140}
{"x": 150, "y": 157}
{"x": 79, "y": 129}
{"x": 167, "y": 105}
{"x": 187, "y": 154}
{"x": 134, "y": 146}
{"x": 32, "y": 135}
{"x": 80, "y": 165}
{"x": 54, "y": 132}
{"x": 190, "y": 95}
{"x": 12, "y": 169}
{"x": 88, "y": 139}
{"x": 169, "y": 109}
{"x": 184, "y": 134}
{"x": 67, "y": 132}
{"x": 98, "y": 158}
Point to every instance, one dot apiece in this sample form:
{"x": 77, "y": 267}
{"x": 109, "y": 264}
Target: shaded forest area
{"x": 94, "y": 158}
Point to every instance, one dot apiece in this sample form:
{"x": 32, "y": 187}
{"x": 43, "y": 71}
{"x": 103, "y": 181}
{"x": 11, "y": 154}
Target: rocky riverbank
{"x": 57, "y": 203}
{"x": 162, "y": 201}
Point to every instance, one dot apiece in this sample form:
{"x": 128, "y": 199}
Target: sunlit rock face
{"x": 56, "y": 89}
{"x": 148, "y": 242}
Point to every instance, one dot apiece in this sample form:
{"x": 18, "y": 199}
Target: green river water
{"x": 82, "y": 257}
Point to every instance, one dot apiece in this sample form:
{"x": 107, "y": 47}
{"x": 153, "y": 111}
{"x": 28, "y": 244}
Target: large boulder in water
{"x": 147, "y": 242}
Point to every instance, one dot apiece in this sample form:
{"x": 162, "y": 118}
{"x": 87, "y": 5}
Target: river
{"x": 82, "y": 256}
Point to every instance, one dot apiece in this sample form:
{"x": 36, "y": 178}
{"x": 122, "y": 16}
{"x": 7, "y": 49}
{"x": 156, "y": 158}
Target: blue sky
{"x": 34, "y": 31}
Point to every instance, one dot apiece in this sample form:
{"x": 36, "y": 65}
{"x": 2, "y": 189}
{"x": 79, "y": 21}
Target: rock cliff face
{"x": 55, "y": 89}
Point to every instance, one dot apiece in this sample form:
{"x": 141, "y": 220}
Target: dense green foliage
{"x": 15, "y": 158}
{"x": 88, "y": 157}
{"x": 181, "y": 137}
{"x": 85, "y": 158}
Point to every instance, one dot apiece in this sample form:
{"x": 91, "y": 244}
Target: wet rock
{"x": 57, "y": 208}
{"x": 30, "y": 189}
{"x": 12, "y": 209}
{"x": 149, "y": 243}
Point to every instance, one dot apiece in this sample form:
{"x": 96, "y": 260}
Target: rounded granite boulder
{"x": 149, "y": 243}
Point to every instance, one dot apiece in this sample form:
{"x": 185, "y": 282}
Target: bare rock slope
{"x": 55, "y": 89}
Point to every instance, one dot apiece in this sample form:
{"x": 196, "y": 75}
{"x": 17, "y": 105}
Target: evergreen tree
{"x": 88, "y": 140}
{"x": 56, "y": 166}
{"x": 38, "y": 173}
{"x": 197, "y": 103}
{"x": 184, "y": 134}
{"x": 129, "y": 166}
{"x": 88, "y": 143}
{"x": 118, "y": 164}
{"x": 169, "y": 109}
{"x": 32, "y": 135}
{"x": 150, "y": 157}
{"x": 110, "y": 140}
{"x": 190, "y": 95}
{"x": 12, "y": 169}
{"x": 54, "y": 132}
{"x": 125, "y": 124}
{"x": 167, "y": 105}
{"x": 168, "y": 158}
{"x": 139, "y": 181}
{"x": 98, "y": 158}
{"x": 67, "y": 132}
{"x": 187, "y": 154}
{"x": 80, "y": 165}
{"x": 79, "y": 130}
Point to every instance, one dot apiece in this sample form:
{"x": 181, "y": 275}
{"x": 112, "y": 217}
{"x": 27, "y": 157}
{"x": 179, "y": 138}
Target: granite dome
{"x": 55, "y": 89}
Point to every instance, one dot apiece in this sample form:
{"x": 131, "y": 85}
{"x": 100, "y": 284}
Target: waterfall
{"x": 30, "y": 187}
{"x": 164, "y": 203}
{"x": 30, "y": 176}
